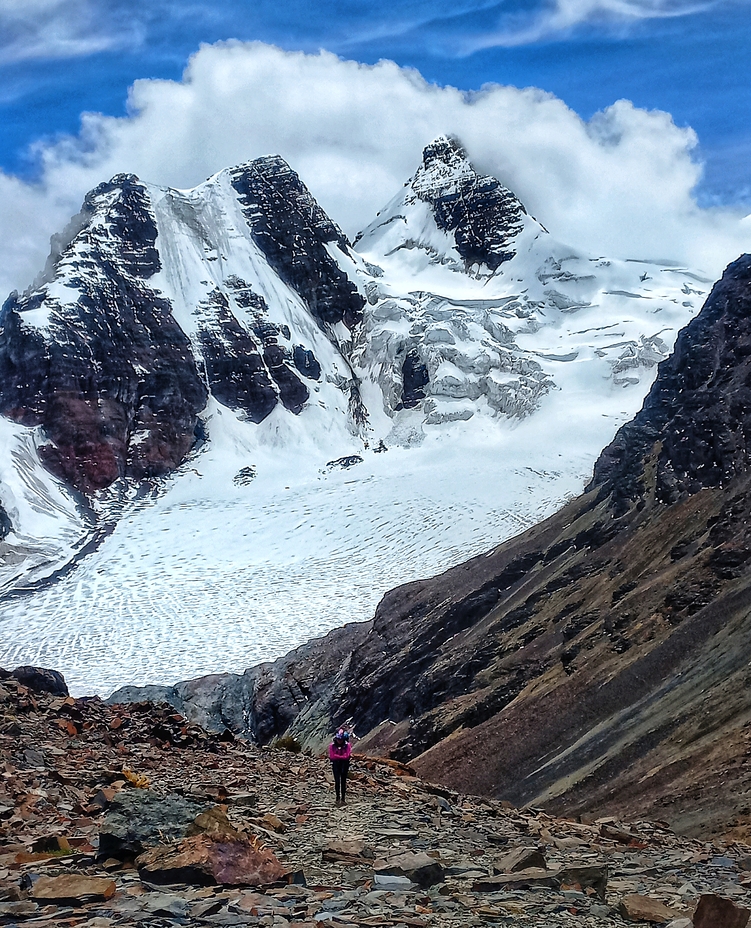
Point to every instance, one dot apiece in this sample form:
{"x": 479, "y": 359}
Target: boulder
{"x": 41, "y": 680}
{"x": 348, "y": 850}
{"x": 205, "y": 860}
{"x": 213, "y": 822}
{"x": 417, "y": 868}
{"x": 138, "y": 819}
{"x": 714, "y": 911}
{"x": 594, "y": 876}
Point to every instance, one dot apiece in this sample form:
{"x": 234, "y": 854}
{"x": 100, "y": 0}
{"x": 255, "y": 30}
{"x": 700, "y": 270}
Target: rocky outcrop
{"x": 6, "y": 526}
{"x": 474, "y": 212}
{"x": 37, "y": 679}
{"x": 699, "y": 411}
{"x": 597, "y": 662}
{"x": 247, "y": 369}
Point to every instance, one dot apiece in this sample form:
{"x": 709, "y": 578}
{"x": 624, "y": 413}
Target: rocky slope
{"x": 599, "y": 661}
{"x": 128, "y": 815}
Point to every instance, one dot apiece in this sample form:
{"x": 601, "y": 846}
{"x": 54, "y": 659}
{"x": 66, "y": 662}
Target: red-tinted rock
{"x": 714, "y": 911}
{"x": 206, "y": 861}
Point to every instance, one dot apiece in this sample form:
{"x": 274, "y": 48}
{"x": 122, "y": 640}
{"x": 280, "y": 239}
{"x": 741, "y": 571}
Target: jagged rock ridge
{"x": 292, "y": 231}
{"x": 597, "y": 662}
{"x": 480, "y": 216}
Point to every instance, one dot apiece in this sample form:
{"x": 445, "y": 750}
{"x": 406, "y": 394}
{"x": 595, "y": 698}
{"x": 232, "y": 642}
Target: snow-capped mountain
{"x": 220, "y": 359}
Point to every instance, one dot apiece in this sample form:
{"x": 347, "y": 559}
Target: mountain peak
{"x": 473, "y": 217}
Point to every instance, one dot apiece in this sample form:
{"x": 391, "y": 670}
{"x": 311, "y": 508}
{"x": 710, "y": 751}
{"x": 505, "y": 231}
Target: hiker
{"x": 340, "y": 751}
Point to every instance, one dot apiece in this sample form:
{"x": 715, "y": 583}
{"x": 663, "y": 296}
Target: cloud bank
{"x": 619, "y": 185}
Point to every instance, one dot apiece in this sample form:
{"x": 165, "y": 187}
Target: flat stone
{"x": 348, "y": 850}
{"x": 204, "y": 860}
{"x": 722, "y": 861}
{"x": 520, "y": 858}
{"x": 168, "y": 904}
{"x": 18, "y": 909}
{"x": 618, "y": 834}
{"x": 9, "y": 892}
{"x": 636, "y": 908}
{"x": 259, "y": 904}
{"x": 522, "y": 879}
{"x": 243, "y": 800}
{"x": 714, "y": 911}
{"x": 71, "y": 889}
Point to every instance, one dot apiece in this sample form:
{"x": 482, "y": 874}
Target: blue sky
{"x": 59, "y": 59}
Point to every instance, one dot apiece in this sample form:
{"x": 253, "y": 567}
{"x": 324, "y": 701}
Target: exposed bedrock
{"x": 6, "y": 526}
{"x": 599, "y": 661}
{"x": 699, "y": 410}
{"x": 247, "y": 370}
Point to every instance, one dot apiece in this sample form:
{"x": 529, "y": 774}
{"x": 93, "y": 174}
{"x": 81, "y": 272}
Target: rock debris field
{"x": 129, "y": 815}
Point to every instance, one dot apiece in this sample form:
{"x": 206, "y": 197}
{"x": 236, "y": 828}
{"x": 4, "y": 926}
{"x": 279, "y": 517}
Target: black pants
{"x": 340, "y": 768}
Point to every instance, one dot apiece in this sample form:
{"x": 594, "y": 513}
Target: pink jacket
{"x": 343, "y": 753}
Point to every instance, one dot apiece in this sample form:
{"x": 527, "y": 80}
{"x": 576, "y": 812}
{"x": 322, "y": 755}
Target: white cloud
{"x": 619, "y": 185}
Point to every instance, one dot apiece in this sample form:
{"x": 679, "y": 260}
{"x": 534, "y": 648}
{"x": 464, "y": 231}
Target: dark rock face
{"x": 6, "y": 526}
{"x": 306, "y": 362}
{"x": 598, "y": 662}
{"x": 111, "y": 376}
{"x": 236, "y": 373}
{"x": 699, "y": 409}
{"x": 292, "y": 230}
{"x": 248, "y": 369}
{"x": 477, "y": 209}
{"x": 414, "y": 379}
